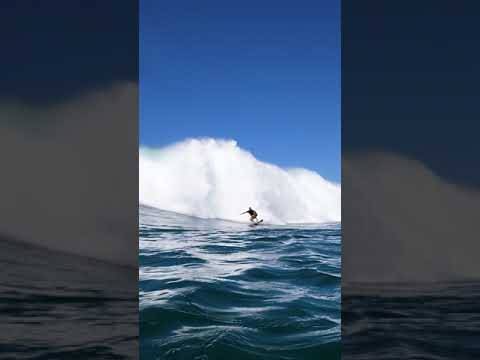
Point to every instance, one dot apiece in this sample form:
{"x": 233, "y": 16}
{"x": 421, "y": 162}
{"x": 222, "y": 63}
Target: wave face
{"x": 212, "y": 178}
{"x": 214, "y": 289}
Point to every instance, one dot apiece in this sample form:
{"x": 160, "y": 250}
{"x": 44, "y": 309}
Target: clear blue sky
{"x": 265, "y": 73}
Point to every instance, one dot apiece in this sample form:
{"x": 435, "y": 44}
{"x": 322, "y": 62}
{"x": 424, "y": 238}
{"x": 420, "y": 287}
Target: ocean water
{"x": 58, "y": 306}
{"x": 213, "y": 289}
{"x": 411, "y": 321}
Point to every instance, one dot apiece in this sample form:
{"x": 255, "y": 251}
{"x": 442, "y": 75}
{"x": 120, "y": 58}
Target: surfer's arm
{"x": 244, "y": 213}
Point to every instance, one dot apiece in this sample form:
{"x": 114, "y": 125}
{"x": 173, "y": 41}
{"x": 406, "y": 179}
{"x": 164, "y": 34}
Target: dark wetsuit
{"x": 253, "y": 214}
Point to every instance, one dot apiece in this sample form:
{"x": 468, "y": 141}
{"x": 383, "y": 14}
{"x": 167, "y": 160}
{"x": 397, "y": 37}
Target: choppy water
{"x": 57, "y": 306}
{"x": 211, "y": 289}
{"x": 437, "y": 322}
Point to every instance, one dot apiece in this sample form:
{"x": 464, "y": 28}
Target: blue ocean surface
{"x": 59, "y": 306}
{"x": 411, "y": 321}
{"x": 214, "y": 289}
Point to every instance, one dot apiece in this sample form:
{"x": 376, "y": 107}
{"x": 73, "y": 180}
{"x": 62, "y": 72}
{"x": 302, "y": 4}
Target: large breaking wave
{"x": 213, "y": 178}
{"x": 405, "y": 224}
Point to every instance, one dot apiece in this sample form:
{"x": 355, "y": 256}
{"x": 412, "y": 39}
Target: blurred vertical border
{"x": 69, "y": 179}
{"x": 410, "y": 179}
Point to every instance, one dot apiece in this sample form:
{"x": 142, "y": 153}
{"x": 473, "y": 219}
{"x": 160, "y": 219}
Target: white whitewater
{"x": 66, "y": 187}
{"x": 402, "y": 223}
{"x": 213, "y": 178}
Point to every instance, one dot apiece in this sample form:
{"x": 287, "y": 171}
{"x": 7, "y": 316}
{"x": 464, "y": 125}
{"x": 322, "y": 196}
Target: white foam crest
{"x": 402, "y": 223}
{"x": 213, "y": 178}
{"x": 69, "y": 186}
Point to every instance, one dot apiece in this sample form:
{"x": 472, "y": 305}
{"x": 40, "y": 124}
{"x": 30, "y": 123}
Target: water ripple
{"x": 219, "y": 290}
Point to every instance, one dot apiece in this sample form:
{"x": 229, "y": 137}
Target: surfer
{"x": 253, "y": 214}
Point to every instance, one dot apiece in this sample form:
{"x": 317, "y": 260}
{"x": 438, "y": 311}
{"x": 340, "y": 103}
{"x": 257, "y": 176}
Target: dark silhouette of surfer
{"x": 253, "y": 214}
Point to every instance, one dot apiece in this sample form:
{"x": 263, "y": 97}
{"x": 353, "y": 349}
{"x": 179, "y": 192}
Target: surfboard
{"x": 257, "y": 223}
